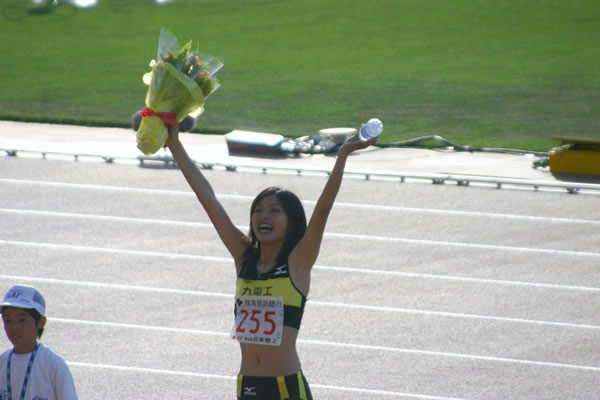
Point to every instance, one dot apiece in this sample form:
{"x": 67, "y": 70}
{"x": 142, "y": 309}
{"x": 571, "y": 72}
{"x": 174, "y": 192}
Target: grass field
{"x": 508, "y": 73}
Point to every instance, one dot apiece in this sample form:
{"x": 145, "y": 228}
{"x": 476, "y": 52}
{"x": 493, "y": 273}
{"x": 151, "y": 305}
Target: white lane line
{"x": 445, "y": 314}
{"x": 150, "y": 221}
{"x": 53, "y": 246}
{"x": 452, "y": 315}
{"x": 439, "y": 211}
{"x": 327, "y": 234}
{"x": 149, "y": 370}
{"x": 117, "y": 286}
{"x": 337, "y": 204}
{"x": 450, "y": 355}
{"x": 104, "y": 250}
{"x": 327, "y": 343}
{"x": 234, "y": 378}
{"x": 382, "y": 392}
{"x": 457, "y": 278}
{"x": 154, "y": 328}
{"x": 107, "y": 188}
{"x": 463, "y": 245}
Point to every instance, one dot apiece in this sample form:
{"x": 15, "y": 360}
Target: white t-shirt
{"x": 50, "y": 377}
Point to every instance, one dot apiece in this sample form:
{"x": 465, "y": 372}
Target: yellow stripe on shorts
{"x": 283, "y": 392}
{"x": 301, "y": 387}
{"x": 240, "y": 379}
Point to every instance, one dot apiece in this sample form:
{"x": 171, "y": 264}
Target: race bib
{"x": 259, "y": 320}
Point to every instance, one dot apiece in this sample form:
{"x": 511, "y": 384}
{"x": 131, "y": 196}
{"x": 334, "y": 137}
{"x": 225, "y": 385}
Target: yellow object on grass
{"x": 580, "y": 156}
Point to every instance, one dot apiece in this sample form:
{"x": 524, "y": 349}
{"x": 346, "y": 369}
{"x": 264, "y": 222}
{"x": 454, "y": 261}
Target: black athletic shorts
{"x": 291, "y": 387}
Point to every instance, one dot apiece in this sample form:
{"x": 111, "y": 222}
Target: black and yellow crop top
{"x": 276, "y": 282}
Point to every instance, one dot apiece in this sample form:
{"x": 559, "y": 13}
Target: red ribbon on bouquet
{"x": 167, "y": 117}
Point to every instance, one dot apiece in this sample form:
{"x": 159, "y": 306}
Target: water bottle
{"x": 371, "y": 129}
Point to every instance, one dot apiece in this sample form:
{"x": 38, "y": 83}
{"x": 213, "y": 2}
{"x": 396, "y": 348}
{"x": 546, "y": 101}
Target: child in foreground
{"x": 30, "y": 370}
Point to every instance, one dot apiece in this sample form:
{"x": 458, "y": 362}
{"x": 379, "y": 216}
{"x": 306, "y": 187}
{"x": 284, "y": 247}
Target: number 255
{"x": 257, "y": 322}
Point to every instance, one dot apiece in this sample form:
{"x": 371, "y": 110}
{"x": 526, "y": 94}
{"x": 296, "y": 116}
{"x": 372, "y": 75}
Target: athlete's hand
{"x": 355, "y": 143}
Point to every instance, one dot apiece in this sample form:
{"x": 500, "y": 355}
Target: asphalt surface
{"x": 421, "y": 290}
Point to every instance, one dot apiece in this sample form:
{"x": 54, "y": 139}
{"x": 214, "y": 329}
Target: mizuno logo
{"x": 249, "y": 390}
{"x": 280, "y": 270}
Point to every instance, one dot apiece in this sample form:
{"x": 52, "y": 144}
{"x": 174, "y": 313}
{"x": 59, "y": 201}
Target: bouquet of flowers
{"x": 178, "y": 85}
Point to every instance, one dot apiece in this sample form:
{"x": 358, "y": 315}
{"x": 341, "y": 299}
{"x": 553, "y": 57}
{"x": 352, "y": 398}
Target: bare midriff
{"x": 263, "y": 360}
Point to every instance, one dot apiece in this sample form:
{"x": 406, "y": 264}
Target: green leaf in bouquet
{"x": 208, "y": 86}
{"x": 178, "y": 56}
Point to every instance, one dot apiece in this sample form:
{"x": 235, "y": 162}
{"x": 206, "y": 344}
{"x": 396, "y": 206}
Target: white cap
{"x": 23, "y": 296}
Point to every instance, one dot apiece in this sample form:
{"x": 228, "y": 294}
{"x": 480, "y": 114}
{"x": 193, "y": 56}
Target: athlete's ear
{"x": 42, "y": 323}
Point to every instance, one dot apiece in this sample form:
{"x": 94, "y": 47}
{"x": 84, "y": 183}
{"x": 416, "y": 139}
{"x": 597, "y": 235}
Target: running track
{"x": 421, "y": 291}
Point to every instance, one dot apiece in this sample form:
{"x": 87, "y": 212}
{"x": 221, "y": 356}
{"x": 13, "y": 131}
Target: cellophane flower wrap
{"x": 178, "y": 85}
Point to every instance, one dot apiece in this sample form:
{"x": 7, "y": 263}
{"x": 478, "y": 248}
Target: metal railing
{"x": 434, "y": 178}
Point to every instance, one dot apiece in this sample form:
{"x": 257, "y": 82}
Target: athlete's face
{"x": 21, "y": 328}
{"x": 269, "y": 220}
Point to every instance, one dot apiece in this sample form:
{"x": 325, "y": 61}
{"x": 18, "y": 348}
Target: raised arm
{"x": 235, "y": 241}
{"x": 306, "y": 252}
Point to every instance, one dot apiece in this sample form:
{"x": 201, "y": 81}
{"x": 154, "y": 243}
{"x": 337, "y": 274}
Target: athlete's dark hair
{"x": 296, "y": 224}
{"x": 37, "y": 317}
